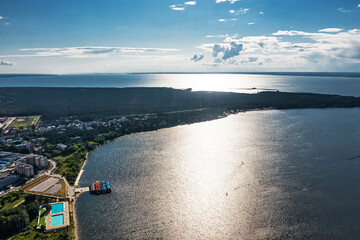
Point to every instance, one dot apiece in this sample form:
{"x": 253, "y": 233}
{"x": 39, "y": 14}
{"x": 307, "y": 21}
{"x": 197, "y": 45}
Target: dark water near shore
{"x": 348, "y": 86}
{"x": 258, "y": 175}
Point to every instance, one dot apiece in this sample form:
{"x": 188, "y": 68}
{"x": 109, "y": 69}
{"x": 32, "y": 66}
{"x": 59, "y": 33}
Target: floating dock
{"x": 100, "y": 187}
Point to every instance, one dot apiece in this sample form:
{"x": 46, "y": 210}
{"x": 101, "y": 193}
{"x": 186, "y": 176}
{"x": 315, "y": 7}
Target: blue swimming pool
{"x": 57, "y": 208}
{"x": 57, "y": 220}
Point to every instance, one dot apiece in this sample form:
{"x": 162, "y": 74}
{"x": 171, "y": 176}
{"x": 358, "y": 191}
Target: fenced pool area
{"x": 58, "y": 217}
{"x": 57, "y": 208}
{"x": 57, "y": 220}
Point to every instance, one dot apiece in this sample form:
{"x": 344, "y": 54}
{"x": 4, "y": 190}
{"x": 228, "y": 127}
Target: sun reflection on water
{"x": 213, "y": 176}
{"x": 219, "y": 82}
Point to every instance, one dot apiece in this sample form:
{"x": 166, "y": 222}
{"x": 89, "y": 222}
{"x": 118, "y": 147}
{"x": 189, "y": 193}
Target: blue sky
{"x": 85, "y": 36}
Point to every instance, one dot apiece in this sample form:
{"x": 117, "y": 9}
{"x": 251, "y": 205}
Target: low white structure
{"x": 61, "y": 146}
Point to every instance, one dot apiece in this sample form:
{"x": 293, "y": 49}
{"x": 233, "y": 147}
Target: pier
{"x": 82, "y": 189}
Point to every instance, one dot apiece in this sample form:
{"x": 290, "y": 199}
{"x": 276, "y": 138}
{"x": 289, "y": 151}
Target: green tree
{"x": 33, "y": 209}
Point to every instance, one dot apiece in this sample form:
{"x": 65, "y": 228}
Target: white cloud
{"x": 250, "y": 23}
{"x": 233, "y": 51}
{"x": 331, "y": 30}
{"x": 1, "y": 17}
{"x": 240, "y": 11}
{"x": 261, "y": 13}
{"x": 87, "y": 52}
{"x": 217, "y": 49}
{"x": 6, "y": 63}
{"x": 227, "y": 20}
{"x": 177, "y": 8}
{"x": 358, "y": 6}
{"x": 197, "y": 57}
{"x": 182, "y": 7}
{"x": 226, "y": 51}
{"x": 217, "y": 36}
{"x": 343, "y": 10}
{"x": 231, "y": 1}
{"x": 243, "y": 11}
{"x": 221, "y": 36}
{"x": 192, "y": 3}
{"x": 327, "y": 50}
{"x": 290, "y": 33}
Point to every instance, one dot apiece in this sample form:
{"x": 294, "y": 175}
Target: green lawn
{"x": 24, "y": 122}
{"x": 42, "y": 221}
{"x": 10, "y": 200}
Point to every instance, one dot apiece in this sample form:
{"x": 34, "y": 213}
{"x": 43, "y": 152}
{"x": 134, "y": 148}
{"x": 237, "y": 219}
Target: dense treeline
{"x": 20, "y": 222}
{"x": 15, "y": 219}
{"x": 91, "y": 103}
{"x": 11, "y": 221}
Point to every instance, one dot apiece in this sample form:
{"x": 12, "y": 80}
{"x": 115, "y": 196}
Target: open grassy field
{"x": 42, "y": 221}
{"x": 25, "y": 122}
{"x": 11, "y": 200}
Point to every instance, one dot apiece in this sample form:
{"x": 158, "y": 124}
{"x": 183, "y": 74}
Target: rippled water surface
{"x": 255, "y": 175}
{"x": 245, "y": 83}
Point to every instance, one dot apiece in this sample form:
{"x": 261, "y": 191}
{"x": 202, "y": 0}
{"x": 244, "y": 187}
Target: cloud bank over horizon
{"x": 308, "y": 50}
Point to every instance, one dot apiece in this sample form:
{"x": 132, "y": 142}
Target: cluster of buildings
{"x": 7, "y": 158}
{"x": 77, "y": 124}
{"x": 13, "y": 165}
{"x": 25, "y": 165}
{"x": 18, "y": 142}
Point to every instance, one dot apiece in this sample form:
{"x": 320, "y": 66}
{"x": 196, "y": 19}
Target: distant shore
{"x": 305, "y": 74}
{"x": 95, "y": 103}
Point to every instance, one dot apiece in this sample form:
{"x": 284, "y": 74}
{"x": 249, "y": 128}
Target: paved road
{"x": 7, "y": 123}
{"x": 71, "y": 190}
{"x": 53, "y": 168}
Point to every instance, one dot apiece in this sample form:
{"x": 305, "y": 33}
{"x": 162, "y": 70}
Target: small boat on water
{"x": 103, "y": 187}
{"x": 100, "y": 187}
{"x": 92, "y": 188}
{"x": 97, "y": 187}
{"x": 108, "y": 188}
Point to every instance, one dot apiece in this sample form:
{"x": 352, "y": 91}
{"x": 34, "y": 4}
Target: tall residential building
{"x": 24, "y": 168}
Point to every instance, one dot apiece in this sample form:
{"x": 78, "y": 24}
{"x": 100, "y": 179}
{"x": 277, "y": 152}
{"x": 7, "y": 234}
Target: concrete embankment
{"x": 76, "y": 184}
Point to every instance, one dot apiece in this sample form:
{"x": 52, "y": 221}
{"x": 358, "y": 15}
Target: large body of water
{"x": 199, "y": 82}
{"x": 256, "y": 175}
